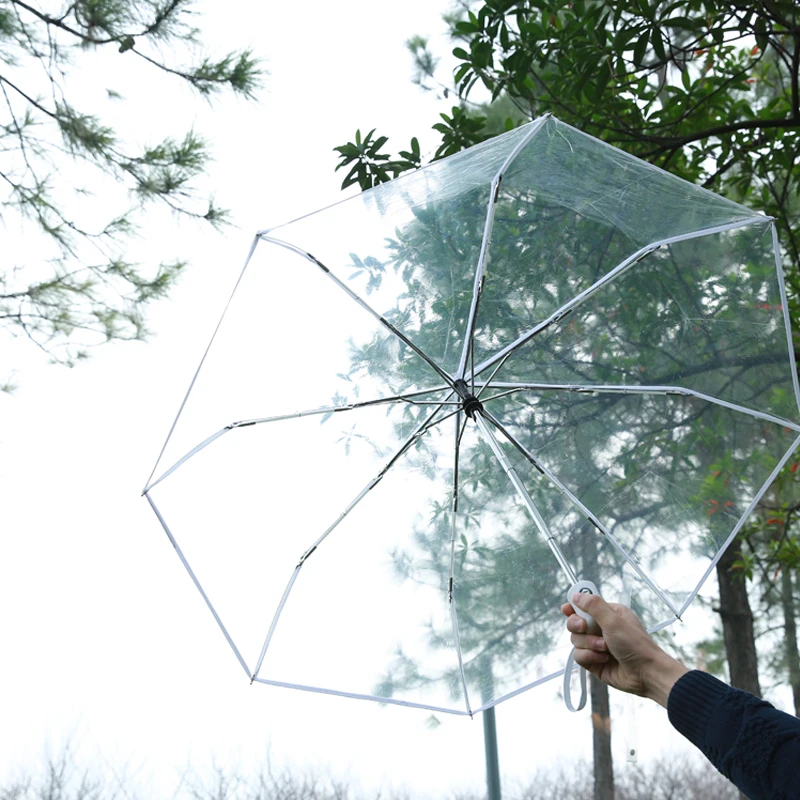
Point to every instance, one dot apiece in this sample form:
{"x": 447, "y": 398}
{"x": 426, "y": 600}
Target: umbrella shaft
{"x": 492, "y": 761}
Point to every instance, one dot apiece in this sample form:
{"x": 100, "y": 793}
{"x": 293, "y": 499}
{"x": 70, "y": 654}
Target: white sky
{"x": 105, "y": 640}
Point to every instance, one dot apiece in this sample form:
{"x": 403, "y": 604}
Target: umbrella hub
{"x": 469, "y": 402}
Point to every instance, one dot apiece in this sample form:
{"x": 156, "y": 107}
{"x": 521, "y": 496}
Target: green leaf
{"x": 624, "y": 37}
{"x": 657, "y": 42}
{"x": 603, "y": 77}
{"x": 640, "y": 50}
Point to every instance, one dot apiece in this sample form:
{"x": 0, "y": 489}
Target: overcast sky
{"x": 105, "y": 640}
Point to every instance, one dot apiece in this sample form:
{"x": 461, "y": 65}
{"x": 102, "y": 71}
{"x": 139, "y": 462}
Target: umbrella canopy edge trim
{"x": 621, "y": 268}
{"x": 494, "y": 195}
{"x": 528, "y": 686}
{"x": 356, "y": 696}
{"x": 749, "y": 510}
{"x": 203, "y": 359}
{"x": 198, "y": 585}
{"x": 363, "y": 303}
{"x": 590, "y": 516}
{"x": 419, "y": 431}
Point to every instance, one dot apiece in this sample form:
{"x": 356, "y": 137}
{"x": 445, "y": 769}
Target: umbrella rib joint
{"x": 469, "y": 402}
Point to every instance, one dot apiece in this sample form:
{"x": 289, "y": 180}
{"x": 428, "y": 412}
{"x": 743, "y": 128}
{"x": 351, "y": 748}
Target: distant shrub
{"x": 668, "y": 779}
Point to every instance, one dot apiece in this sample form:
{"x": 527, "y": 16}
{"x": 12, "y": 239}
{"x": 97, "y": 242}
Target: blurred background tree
{"x": 63, "y": 778}
{"x": 61, "y": 164}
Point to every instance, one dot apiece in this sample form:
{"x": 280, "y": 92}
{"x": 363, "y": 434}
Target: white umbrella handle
{"x": 585, "y": 587}
{"x": 581, "y": 587}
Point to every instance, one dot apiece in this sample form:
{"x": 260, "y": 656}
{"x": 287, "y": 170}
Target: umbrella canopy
{"x": 430, "y": 408}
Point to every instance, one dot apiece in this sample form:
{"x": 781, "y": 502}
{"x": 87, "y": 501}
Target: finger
{"x": 596, "y": 606}
{"x": 590, "y": 658}
{"x": 585, "y": 641}
{"x": 567, "y": 610}
{"x": 576, "y": 624}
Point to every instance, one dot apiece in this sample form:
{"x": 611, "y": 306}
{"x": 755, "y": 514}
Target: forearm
{"x": 745, "y": 738}
{"x": 660, "y": 675}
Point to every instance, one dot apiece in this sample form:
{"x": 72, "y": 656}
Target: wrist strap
{"x": 567, "y": 688}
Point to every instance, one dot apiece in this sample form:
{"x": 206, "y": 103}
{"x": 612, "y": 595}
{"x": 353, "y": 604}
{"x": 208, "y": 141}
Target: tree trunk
{"x": 598, "y": 692}
{"x": 601, "y": 741}
{"x": 737, "y": 624}
{"x": 790, "y": 636}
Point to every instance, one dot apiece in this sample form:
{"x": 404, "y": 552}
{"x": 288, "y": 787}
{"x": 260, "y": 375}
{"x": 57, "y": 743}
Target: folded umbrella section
{"x": 430, "y": 408}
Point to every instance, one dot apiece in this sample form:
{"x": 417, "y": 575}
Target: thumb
{"x": 595, "y": 605}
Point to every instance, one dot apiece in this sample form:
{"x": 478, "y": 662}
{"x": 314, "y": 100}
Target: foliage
{"x": 78, "y": 288}
{"x": 708, "y": 89}
{"x": 63, "y": 779}
{"x": 770, "y": 562}
{"x": 269, "y": 784}
{"x": 370, "y": 166}
{"x": 663, "y": 471}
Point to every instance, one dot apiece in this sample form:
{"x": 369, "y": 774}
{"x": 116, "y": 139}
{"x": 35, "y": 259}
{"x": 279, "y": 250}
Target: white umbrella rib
{"x": 785, "y": 308}
{"x": 198, "y": 585}
{"x": 645, "y": 390}
{"x": 418, "y": 431}
{"x": 622, "y": 267}
{"x": 648, "y": 579}
{"x": 454, "y": 619}
{"x": 366, "y": 306}
{"x": 480, "y": 272}
{"x": 513, "y": 476}
{"x": 451, "y": 582}
{"x": 749, "y": 510}
{"x": 407, "y": 397}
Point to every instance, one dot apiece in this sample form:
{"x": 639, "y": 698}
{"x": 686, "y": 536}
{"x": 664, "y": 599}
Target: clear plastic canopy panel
{"x": 428, "y": 406}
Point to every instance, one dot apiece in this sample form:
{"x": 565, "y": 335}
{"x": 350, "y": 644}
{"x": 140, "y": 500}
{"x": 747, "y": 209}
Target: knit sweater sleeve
{"x": 749, "y": 741}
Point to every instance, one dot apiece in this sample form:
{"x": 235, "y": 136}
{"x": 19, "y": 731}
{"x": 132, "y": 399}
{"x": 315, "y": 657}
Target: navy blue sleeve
{"x": 749, "y": 741}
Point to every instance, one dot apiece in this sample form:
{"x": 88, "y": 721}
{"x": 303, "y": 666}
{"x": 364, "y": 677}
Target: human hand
{"x": 624, "y": 655}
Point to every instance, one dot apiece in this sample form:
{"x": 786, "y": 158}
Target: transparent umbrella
{"x": 429, "y": 409}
